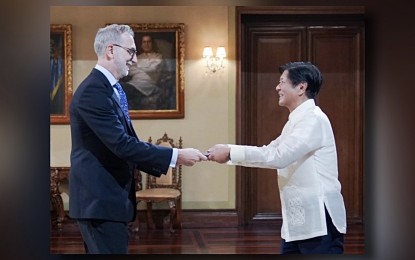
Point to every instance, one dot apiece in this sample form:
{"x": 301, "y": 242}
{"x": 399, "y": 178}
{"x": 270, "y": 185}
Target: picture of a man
{"x": 151, "y": 83}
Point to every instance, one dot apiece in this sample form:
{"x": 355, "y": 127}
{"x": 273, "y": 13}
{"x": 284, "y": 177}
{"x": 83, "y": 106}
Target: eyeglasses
{"x": 131, "y": 51}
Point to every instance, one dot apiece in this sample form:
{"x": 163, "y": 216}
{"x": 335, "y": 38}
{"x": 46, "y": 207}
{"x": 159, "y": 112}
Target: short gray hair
{"x": 109, "y": 34}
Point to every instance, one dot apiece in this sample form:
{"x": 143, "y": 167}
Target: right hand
{"x": 189, "y": 156}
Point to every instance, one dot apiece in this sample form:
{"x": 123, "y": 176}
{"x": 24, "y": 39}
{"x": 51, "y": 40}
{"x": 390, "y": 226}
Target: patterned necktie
{"x": 123, "y": 100}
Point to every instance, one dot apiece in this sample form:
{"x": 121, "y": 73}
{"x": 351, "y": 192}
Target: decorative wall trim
{"x": 195, "y": 218}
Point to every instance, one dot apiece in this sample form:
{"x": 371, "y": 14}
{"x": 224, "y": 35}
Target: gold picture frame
{"x": 61, "y": 72}
{"x": 155, "y": 84}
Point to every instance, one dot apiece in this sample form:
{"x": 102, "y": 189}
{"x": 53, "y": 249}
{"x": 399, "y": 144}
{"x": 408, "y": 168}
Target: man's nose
{"x": 134, "y": 59}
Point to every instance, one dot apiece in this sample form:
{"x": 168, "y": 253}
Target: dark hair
{"x": 147, "y": 35}
{"x": 304, "y": 72}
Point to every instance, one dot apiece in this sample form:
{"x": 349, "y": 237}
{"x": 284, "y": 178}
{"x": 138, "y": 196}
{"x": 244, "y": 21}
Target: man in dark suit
{"x": 106, "y": 150}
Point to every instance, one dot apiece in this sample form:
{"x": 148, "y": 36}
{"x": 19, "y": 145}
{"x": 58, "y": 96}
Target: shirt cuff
{"x": 173, "y": 160}
{"x": 237, "y": 153}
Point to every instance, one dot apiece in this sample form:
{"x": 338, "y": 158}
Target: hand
{"x": 189, "y": 156}
{"x": 219, "y": 153}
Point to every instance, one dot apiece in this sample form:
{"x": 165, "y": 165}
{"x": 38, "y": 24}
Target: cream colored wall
{"x": 209, "y": 99}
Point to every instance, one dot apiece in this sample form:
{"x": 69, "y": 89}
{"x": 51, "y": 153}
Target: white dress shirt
{"x": 306, "y": 161}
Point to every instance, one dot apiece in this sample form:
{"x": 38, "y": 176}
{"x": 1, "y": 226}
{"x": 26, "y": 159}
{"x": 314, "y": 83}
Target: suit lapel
{"x": 115, "y": 98}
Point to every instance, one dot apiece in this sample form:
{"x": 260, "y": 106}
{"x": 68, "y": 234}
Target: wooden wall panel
{"x": 266, "y": 42}
{"x": 337, "y": 52}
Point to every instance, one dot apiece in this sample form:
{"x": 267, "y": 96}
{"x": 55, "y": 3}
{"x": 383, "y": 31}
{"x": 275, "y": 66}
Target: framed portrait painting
{"x": 60, "y": 72}
{"x": 155, "y": 84}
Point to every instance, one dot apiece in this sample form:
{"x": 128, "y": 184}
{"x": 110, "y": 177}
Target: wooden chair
{"x": 166, "y": 188}
{"x": 57, "y": 202}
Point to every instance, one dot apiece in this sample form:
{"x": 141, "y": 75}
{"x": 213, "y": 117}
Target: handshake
{"x": 219, "y": 153}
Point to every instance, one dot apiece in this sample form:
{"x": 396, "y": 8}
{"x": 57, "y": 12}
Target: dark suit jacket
{"x": 105, "y": 152}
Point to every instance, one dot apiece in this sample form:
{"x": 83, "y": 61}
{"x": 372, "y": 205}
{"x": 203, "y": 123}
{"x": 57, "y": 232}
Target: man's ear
{"x": 109, "y": 52}
{"x": 303, "y": 87}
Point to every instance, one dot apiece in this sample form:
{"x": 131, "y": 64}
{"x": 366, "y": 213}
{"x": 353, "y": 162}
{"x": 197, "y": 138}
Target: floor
{"x": 253, "y": 239}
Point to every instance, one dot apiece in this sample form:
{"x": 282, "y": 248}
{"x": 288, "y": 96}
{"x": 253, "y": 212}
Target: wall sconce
{"x": 214, "y": 63}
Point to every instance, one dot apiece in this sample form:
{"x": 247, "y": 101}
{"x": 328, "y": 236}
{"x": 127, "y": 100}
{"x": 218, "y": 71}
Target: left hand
{"x": 219, "y": 153}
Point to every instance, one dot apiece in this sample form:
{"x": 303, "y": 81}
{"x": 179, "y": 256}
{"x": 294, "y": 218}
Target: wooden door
{"x": 336, "y": 47}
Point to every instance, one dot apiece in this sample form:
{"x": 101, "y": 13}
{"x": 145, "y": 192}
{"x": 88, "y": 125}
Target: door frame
{"x": 245, "y": 193}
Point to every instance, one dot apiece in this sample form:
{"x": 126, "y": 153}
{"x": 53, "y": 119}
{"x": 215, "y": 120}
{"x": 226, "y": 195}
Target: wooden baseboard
{"x": 196, "y": 218}
{"x": 210, "y": 218}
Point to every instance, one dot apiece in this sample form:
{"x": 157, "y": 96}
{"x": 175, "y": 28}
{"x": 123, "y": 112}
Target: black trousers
{"x": 104, "y": 237}
{"x": 332, "y": 243}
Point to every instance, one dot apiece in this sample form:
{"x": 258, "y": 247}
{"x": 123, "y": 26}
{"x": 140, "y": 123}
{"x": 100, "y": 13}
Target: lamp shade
{"x": 207, "y": 52}
{"x": 220, "y": 52}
